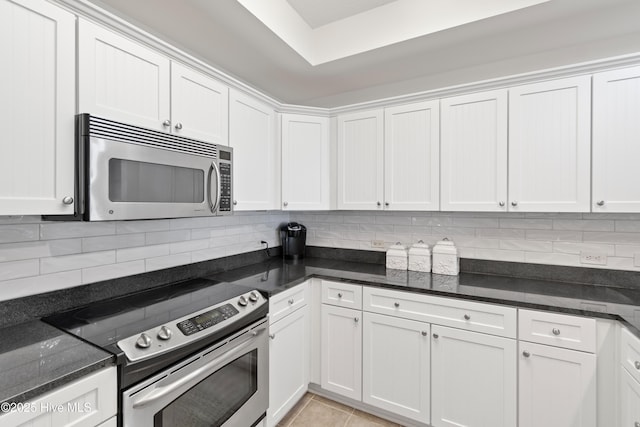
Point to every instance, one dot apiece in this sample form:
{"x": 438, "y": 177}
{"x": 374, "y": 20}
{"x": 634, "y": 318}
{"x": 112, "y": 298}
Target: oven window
{"x": 215, "y": 399}
{"x": 131, "y": 181}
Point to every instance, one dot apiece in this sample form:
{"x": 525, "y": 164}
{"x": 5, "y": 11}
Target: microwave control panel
{"x": 225, "y": 187}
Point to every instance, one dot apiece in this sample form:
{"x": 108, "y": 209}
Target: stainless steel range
{"x": 191, "y": 354}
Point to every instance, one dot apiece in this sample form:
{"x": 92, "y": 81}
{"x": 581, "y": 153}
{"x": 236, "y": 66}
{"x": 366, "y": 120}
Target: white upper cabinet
{"x": 121, "y": 79}
{"x": 256, "y": 166}
{"x": 549, "y": 146}
{"x": 411, "y": 157}
{"x": 616, "y": 141}
{"x": 474, "y": 152}
{"x": 361, "y": 161}
{"x": 199, "y": 105}
{"x": 37, "y": 107}
{"x": 305, "y": 162}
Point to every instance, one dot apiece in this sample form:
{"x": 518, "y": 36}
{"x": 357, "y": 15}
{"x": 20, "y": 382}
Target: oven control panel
{"x": 190, "y": 328}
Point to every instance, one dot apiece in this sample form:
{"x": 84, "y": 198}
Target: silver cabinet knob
{"x": 143, "y": 341}
{"x": 436, "y": 336}
{"x": 424, "y": 333}
{"x": 396, "y": 304}
{"x": 467, "y": 317}
{"x": 235, "y": 203}
{"x": 67, "y": 200}
{"x": 556, "y": 331}
{"x": 164, "y": 333}
{"x": 291, "y": 301}
{"x": 339, "y": 295}
{"x": 272, "y": 336}
{"x": 501, "y": 204}
{"x": 526, "y": 353}
{"x": 178, "y": 126}
{"x": 514, "y": 203}
{"x": 285, "y": 204}
{"x": 166, "y": 123}
{"x": 636, "y": 424}
{"x": 378, "y": 203}
{"x": 386, "y": 204}
{"x": 601, "y": 203}
{"x": 356, "y": 319}
{"x": 637, "y": 365}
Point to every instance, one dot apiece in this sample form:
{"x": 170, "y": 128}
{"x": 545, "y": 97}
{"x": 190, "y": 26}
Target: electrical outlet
{"x": 593, "y": 258}
{"x": 377, "y": 243}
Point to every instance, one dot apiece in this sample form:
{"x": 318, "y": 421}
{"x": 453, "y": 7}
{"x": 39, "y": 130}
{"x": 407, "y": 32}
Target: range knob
{"x": 164, "y": 333}
{"x": 143, "y": 341}
{"x": 242, "y": 301}
{"x": 253, "y": 296}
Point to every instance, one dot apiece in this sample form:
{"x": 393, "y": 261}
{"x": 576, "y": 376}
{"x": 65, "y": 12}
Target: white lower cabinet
{"x": 473, "y": 379}
{"x": 86, "y": 402}
{"x": 629, "y": 400}
{"x": 557, "y": 387}
{"x": 341, "y": 351}
{"x": 395, "y": 365}
{"x": 288, "y": 353}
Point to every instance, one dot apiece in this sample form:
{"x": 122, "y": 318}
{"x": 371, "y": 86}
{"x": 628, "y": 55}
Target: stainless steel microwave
{"x": 126, "y": 172}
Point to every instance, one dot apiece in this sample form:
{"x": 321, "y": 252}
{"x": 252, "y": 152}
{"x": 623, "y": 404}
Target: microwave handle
{"x": 214, "y": 202}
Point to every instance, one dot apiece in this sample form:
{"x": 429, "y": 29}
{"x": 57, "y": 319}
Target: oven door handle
{"x": 230, "y": 355}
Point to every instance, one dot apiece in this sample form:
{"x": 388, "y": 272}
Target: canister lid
{"x": 445, "y": 246}
{"x": 420, "y": 248}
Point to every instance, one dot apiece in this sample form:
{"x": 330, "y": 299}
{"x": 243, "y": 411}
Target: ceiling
{"x": 227, "y": 35}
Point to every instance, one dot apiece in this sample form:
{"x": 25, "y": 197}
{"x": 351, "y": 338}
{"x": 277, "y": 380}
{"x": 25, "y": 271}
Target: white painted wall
{"x": 38, "y": 256}
{"x": 539, "y": 238}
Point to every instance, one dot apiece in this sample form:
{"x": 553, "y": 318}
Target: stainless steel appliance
{"x": 127, "y": 172}
{"x": 190, "y": 354}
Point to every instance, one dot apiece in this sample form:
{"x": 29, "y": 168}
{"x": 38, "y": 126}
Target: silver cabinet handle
{"x": 424, "y": 333}
{"x": 378, "y": 203}
{"x": 166, "y": 123}
{"x": 636, "y": 424}
{"x": 436, "y": 336}
{"x": 339, "y": 295}
{"x": 467, "y": 317}
{"x": 67, "y": 200}
{"x": 356, "y": 319}
{"x": 514, "y": 203}
{"x": 396, "y": 304}
{"x": 178, "y": 126}
{"x": 526, "y": 353}
{"x": 501, "y": 204}
{"x": 637, "y": 365}
{"x": 285, "y": 204}
{"x": 272, "y": 336}
{"x": 386, "y": 204}
{"x": 601, "y": 203}
{"x": 290, "y": 301}
{"x": 235, "y": 203}
{"x": 556, "y": 331}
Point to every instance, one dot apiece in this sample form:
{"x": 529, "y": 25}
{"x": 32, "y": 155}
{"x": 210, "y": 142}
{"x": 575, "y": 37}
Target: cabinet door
{"x": 629, "y": 400}
{"x": 341, "y": 347}
{"x": 616, "y": 146}
{"x": 474, "y": 152}
{"x": 360, "y": 161}
{"x": 549, "y": 146}
{"x": 199, "y": 106}
{"x": 395, "y": 365}
{"x": 37, "y": 107}
{"x": 473, "y": 379}
{"x": 412, "y": 157}
{"x": 256, "y": 167}
{"x": 288, "y": 363}
{"x": 120, "y": 79}
{"x": 557, "y": 387}
{"x": 305, "y": 162}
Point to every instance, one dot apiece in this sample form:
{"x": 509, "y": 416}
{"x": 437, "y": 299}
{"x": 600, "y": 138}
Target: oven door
{"x": 131, "y": 181}
{"x": 224, "y": 385}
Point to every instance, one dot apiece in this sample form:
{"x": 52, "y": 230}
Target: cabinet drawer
{"x": 288, "y": 301}
{"x": 560, "y": 330}
{"x": 342, "y": 294}
{"x": 630, "y": 353}
{"x": 469, "y": 315}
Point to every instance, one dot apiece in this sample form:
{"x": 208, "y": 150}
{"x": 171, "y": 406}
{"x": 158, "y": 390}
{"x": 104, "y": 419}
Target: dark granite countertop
{"x": 36, "y": 358}
{"x": 610, "y": 302}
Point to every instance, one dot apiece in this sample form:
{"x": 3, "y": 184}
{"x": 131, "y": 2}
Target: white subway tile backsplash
{"x": 476, "y": 222}
{"x": 158, "y": 237}
{"x": 167, "y": 261}
{"x": 526, "y": 245}
{"x": 585, "y": 225}
{"x": 118, "y": 241}
{"x": 615, "y": 238}
{"x": 188, "y": 223}
{"x": 628, "y": 251}
{"x": 207, "y": 254}
{"x": 626, "y": 226}
{"x": 17, "y": 269}
{"x": 19, "y": 233}
{"x": 39, "y": 249}
{"x": 66, "y": 230}
{"x": 75, "y": 262}
{"x": 576, "y": 248}
{"x": 189, "y": 246}
{"x": 128, "y": 227}
{"x": 500, "y": 233}
{"x": 17, "y": 288}
{"x": 359, "y": 219}
{"x": 432, "y": 221}
{"x": 142, "y": 252}
{"x": 112, "y": 271}
{"x": 531, "y": 224}
{"x": 452, "y": 232}
{"x": 552, "y": 258}
{"x": 499, "y": 255}
{"x": 554, "y": 235}
{"x": 394, "y": 220}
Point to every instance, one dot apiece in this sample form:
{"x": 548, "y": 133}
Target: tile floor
{"x": 317, "y": 411}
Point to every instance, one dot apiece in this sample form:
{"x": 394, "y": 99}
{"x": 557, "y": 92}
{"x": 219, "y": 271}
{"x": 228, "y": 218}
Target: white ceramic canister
{"x": 420, "y": 257}
{"x": 445, "y": 258}
{"x": 397, "y": 257}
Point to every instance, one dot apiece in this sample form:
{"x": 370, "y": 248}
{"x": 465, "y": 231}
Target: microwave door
{"x": 130, "y": 181}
